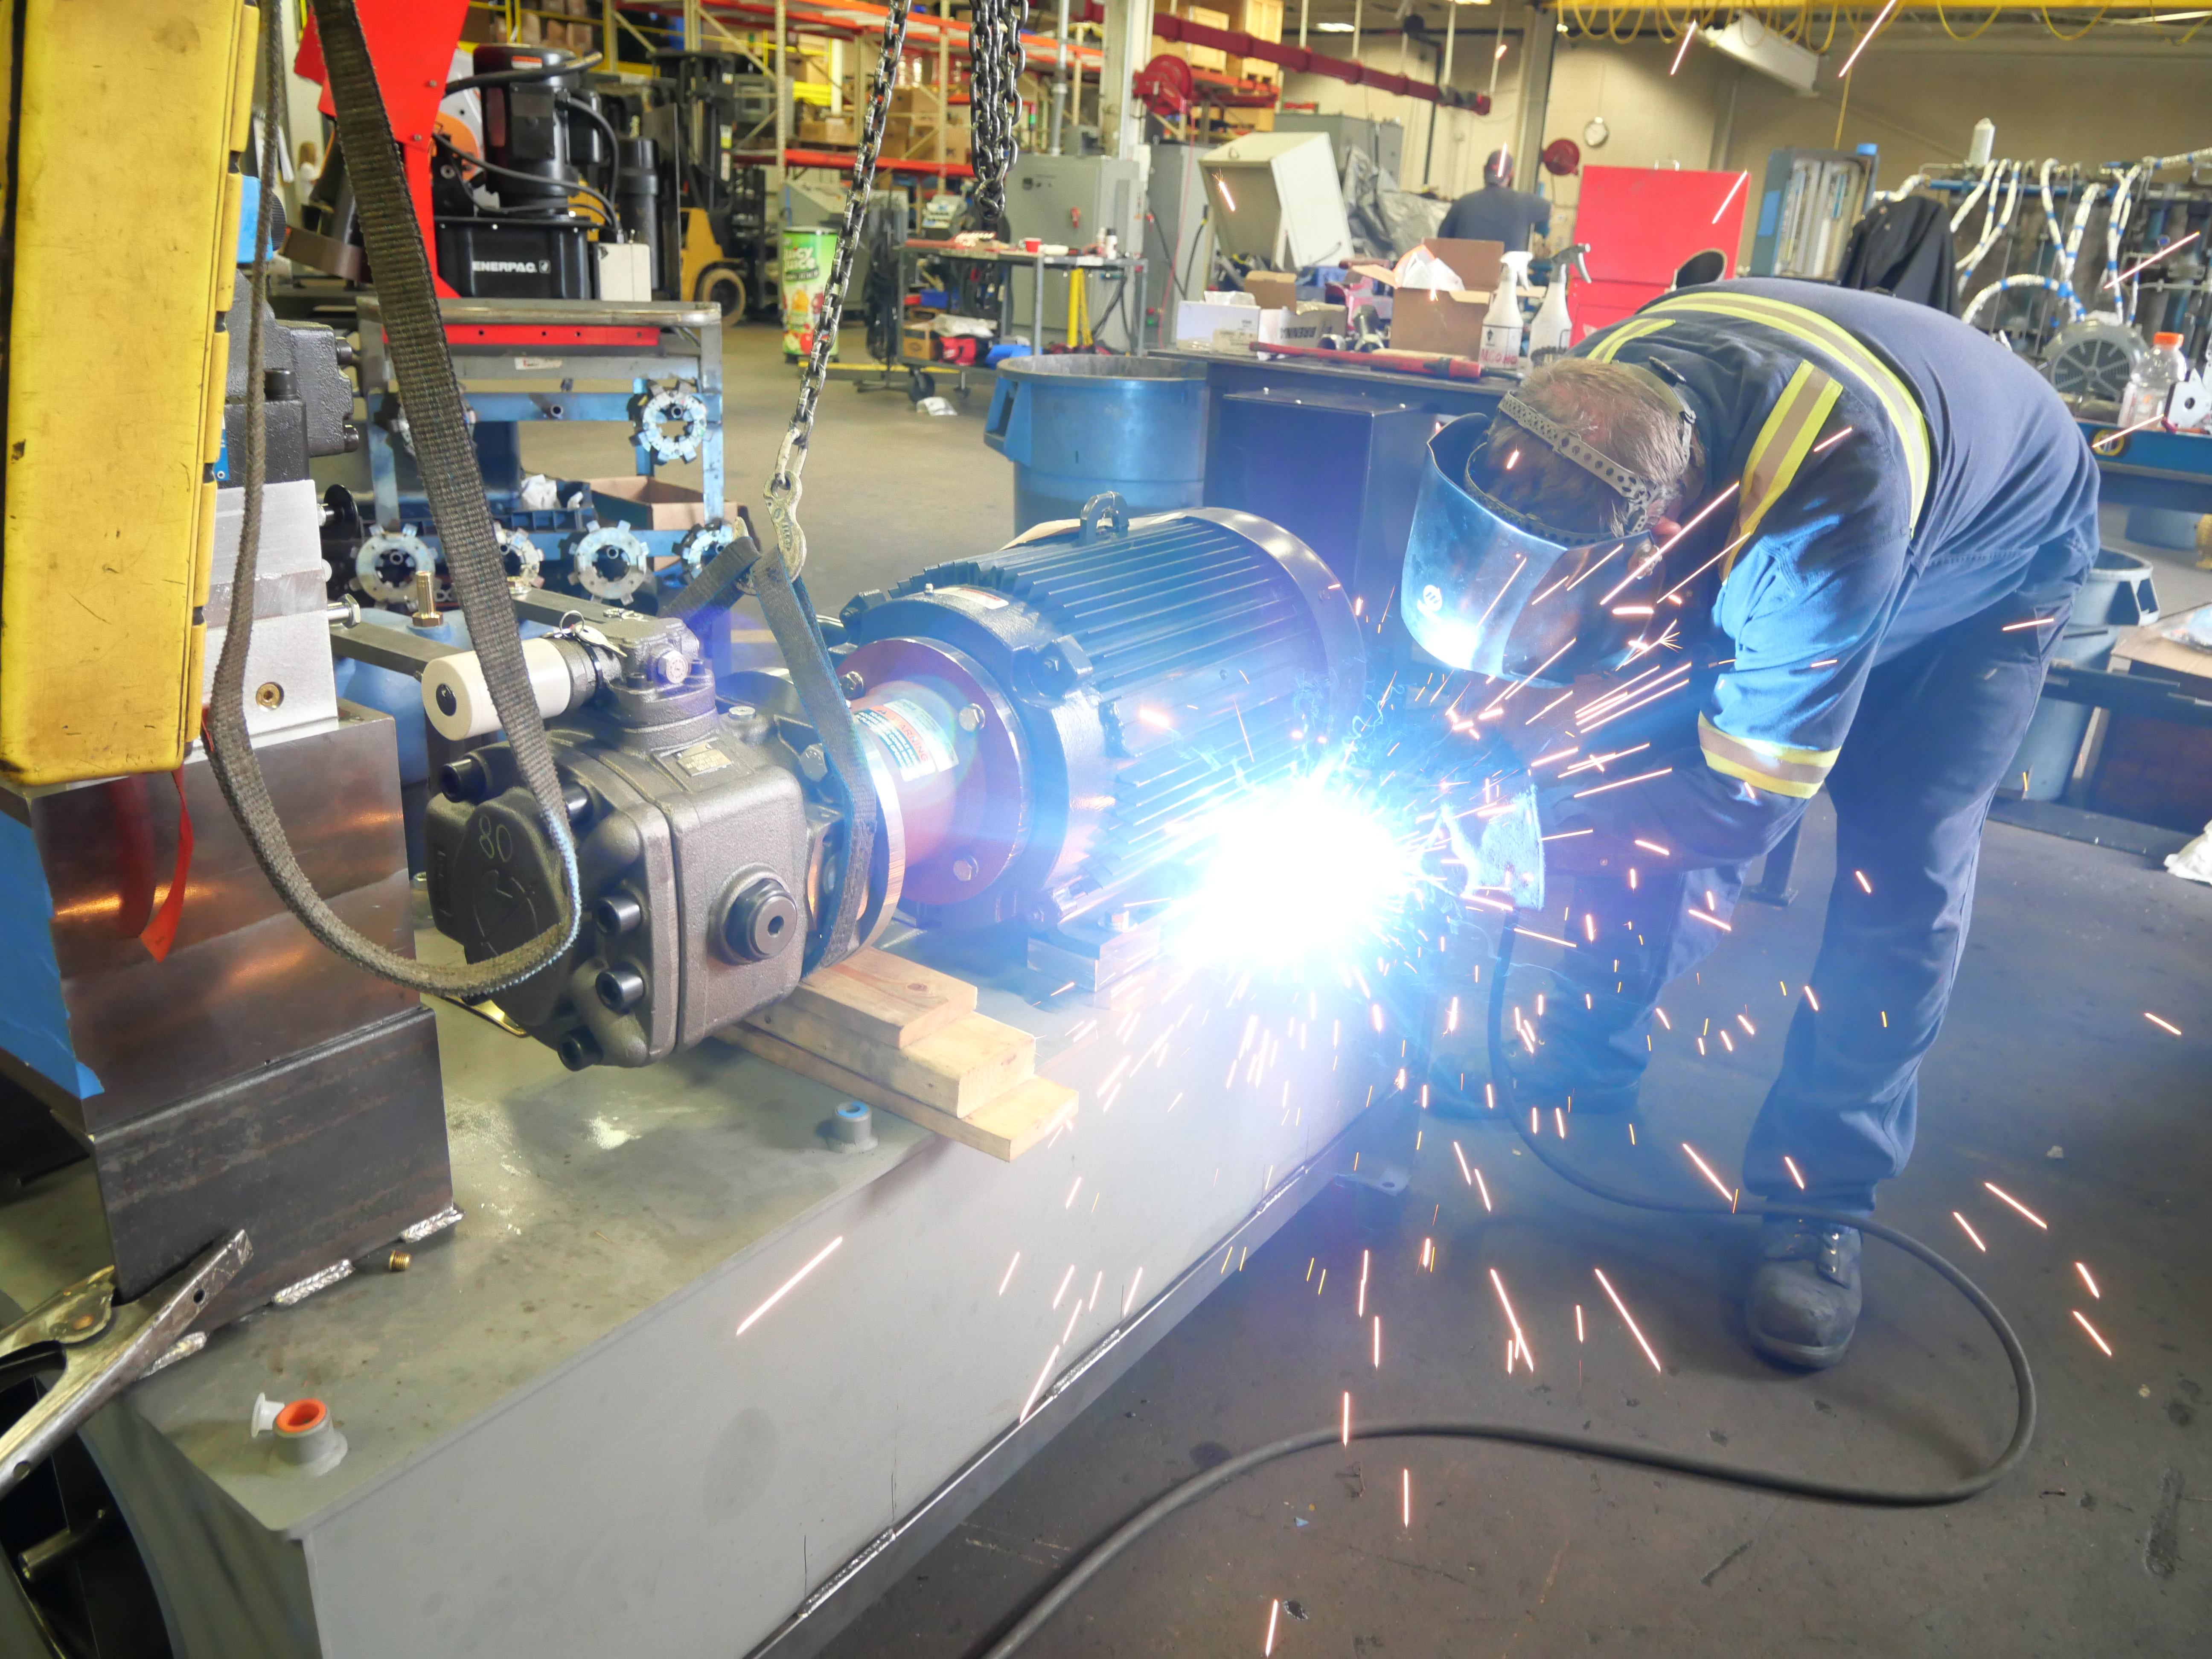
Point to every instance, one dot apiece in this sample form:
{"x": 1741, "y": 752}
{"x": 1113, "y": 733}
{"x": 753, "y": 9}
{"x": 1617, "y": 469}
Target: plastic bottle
{"x": 1985, "y": 138}
{"x": 1501, "y": 325}
{"x": 1553, "y": 329}
{"x": 2151, "y": 384}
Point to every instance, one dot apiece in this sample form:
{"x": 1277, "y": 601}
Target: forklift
{"x": 716, "y": 240}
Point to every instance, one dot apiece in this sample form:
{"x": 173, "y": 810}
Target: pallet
{"x": 908, "y": 1039}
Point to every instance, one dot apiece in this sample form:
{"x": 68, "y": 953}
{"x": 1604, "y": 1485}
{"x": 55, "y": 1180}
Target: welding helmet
{"x": 1498, "y": 167}
{"x": 1491, "y": 588}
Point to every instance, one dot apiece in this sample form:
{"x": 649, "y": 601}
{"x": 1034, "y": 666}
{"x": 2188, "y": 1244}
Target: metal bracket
{"x": 1108, "y": 508}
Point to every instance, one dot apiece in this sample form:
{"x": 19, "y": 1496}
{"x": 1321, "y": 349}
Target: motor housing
{"x": 1060, "y": 717}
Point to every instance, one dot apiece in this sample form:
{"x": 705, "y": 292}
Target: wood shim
{"x": 1006, "y": 1129}
{"x": 880, "y": 996}
{"x": 960, "y": 1069}
{"x": 907, "y": 1038}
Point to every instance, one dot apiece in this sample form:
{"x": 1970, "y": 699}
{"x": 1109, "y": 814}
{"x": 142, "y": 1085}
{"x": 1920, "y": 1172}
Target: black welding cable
{"x": 525, "y": 72}
{"x": 614, "y": 154}
{"x": 454, "y": 485}
{"x": 580, "y": 188}
{"x": 1580, "y": 1445}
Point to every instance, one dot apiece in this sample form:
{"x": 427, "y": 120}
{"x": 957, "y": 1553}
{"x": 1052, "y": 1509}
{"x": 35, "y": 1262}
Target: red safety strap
{"x": 161, "y": 933}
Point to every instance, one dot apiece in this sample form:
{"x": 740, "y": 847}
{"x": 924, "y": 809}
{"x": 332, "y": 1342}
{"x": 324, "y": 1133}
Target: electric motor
{"x": 1054, "y": 722}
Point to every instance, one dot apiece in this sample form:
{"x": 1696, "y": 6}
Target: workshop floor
{"x": 887, "y": 490}
{"x": 2050, "y": 1082}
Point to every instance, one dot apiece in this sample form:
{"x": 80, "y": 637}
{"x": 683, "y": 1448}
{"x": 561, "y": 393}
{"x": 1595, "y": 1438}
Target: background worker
{"x": 1497, "y": 212}
{"x": 1888, "y": 517}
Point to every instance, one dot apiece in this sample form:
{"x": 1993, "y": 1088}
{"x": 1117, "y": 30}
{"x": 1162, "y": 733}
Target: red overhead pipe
{"x": 1238, "y": 44}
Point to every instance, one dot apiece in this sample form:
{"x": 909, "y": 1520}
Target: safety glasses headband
{"x": 1644, "y": 499}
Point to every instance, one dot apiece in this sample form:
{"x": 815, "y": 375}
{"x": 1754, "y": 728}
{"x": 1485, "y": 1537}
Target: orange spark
{"x": 1628, "y": 1319}
{"x": 2008, "y": 1198}
{"x": 2091, "y": 1329}
{"x": 1707, "y": 1171}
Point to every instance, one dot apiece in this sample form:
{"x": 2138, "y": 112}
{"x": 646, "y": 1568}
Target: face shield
{"x": 1490, "y": 589}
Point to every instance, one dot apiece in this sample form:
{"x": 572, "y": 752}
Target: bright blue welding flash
{"x": 1302, "y": 871}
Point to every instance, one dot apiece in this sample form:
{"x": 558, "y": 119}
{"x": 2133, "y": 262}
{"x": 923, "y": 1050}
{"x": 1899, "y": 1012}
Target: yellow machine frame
{"x": 123, "y": 171}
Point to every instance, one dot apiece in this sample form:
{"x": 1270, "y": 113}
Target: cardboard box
{"x": 1207, "y": 57}
{"x": 1443, "y": 320}
{"x": 1440, "y": 320}
{"x": 651, "y": 504}
{"x": 918, "y": 342}
{"x": 1475, "y": 264}
{"x": 1260, "y": 19}
{"x": 829, "y": 130}
{"x": 2150, "y": 770}
{"x": 1275, "y": 290}
{"x": 1300, "y": 325}
{"x": 914, "y": 137}
{"x": 1210, "y": 326}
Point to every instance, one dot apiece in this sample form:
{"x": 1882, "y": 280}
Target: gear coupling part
{"x": 387, "y": 562}
{"x": 654, "y": 413}
{"x": 698, "y": 546}
{"x": 611, "y": 562}
{"x": 520, "y": 556}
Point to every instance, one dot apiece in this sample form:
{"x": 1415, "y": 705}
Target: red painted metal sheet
{"x": 412, "y": 44}
{"x": 1641, "y": 224}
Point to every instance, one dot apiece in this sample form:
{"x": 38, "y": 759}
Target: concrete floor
{"x": 2049, "y": 1082}
{"x": 887, "y": 490}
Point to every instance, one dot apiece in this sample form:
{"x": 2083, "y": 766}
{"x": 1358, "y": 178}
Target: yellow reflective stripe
{"x": 1822, "y": 335}
{"x": 1780, "y": 449}
{"x": 1773, "y": 766}
{"x": 1621, "y": 334}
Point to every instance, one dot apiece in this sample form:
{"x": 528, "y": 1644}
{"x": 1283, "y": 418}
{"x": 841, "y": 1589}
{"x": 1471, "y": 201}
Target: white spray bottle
{"x": 1553, "y": 330}
{"x": 1501, "y": 325}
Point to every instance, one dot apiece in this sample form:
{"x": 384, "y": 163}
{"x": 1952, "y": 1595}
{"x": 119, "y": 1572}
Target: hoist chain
{"x": 783, "y": 489}
{"x": 995, "y": 109}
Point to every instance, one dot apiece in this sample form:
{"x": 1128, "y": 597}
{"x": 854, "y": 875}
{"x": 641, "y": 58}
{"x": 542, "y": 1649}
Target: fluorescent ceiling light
{"x": 1333, "y": 28}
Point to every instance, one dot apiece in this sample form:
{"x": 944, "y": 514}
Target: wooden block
{"x": 881, "y": 998}
{"x": 1005, "y": 1128}
{"x": 959, "y": 1069}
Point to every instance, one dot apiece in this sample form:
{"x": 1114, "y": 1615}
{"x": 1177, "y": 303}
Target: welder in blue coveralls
{"x": 1762, "y": 538}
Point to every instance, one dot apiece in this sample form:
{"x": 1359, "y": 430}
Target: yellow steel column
{"x": 127, "y": 200}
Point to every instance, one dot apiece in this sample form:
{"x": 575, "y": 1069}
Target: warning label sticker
{"x": 919, "y": 748}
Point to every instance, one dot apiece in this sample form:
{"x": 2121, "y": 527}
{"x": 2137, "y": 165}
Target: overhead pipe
{"x": 1237, "y": 43}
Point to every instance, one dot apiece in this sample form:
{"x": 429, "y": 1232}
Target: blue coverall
{"x": 1882, "y": 631}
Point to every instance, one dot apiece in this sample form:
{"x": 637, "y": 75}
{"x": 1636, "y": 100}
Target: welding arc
{"x": 1704, "y": 1468}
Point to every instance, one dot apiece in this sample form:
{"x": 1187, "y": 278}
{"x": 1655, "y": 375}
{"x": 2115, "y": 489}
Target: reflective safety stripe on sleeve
{"x": 1782, "y": 446}
{"x": 1633, "y": 328}
{"x": 1774, "y": 766}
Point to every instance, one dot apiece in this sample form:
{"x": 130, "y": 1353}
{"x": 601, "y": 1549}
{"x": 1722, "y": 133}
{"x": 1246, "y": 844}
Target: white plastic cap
{"x": 458, "y": 703}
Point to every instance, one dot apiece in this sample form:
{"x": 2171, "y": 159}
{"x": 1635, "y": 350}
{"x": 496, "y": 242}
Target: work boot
{"x": 1804, "y": 1300}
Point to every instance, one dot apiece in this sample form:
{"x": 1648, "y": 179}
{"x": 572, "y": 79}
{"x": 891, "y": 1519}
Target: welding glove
{"x": 1497, "y": 841}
